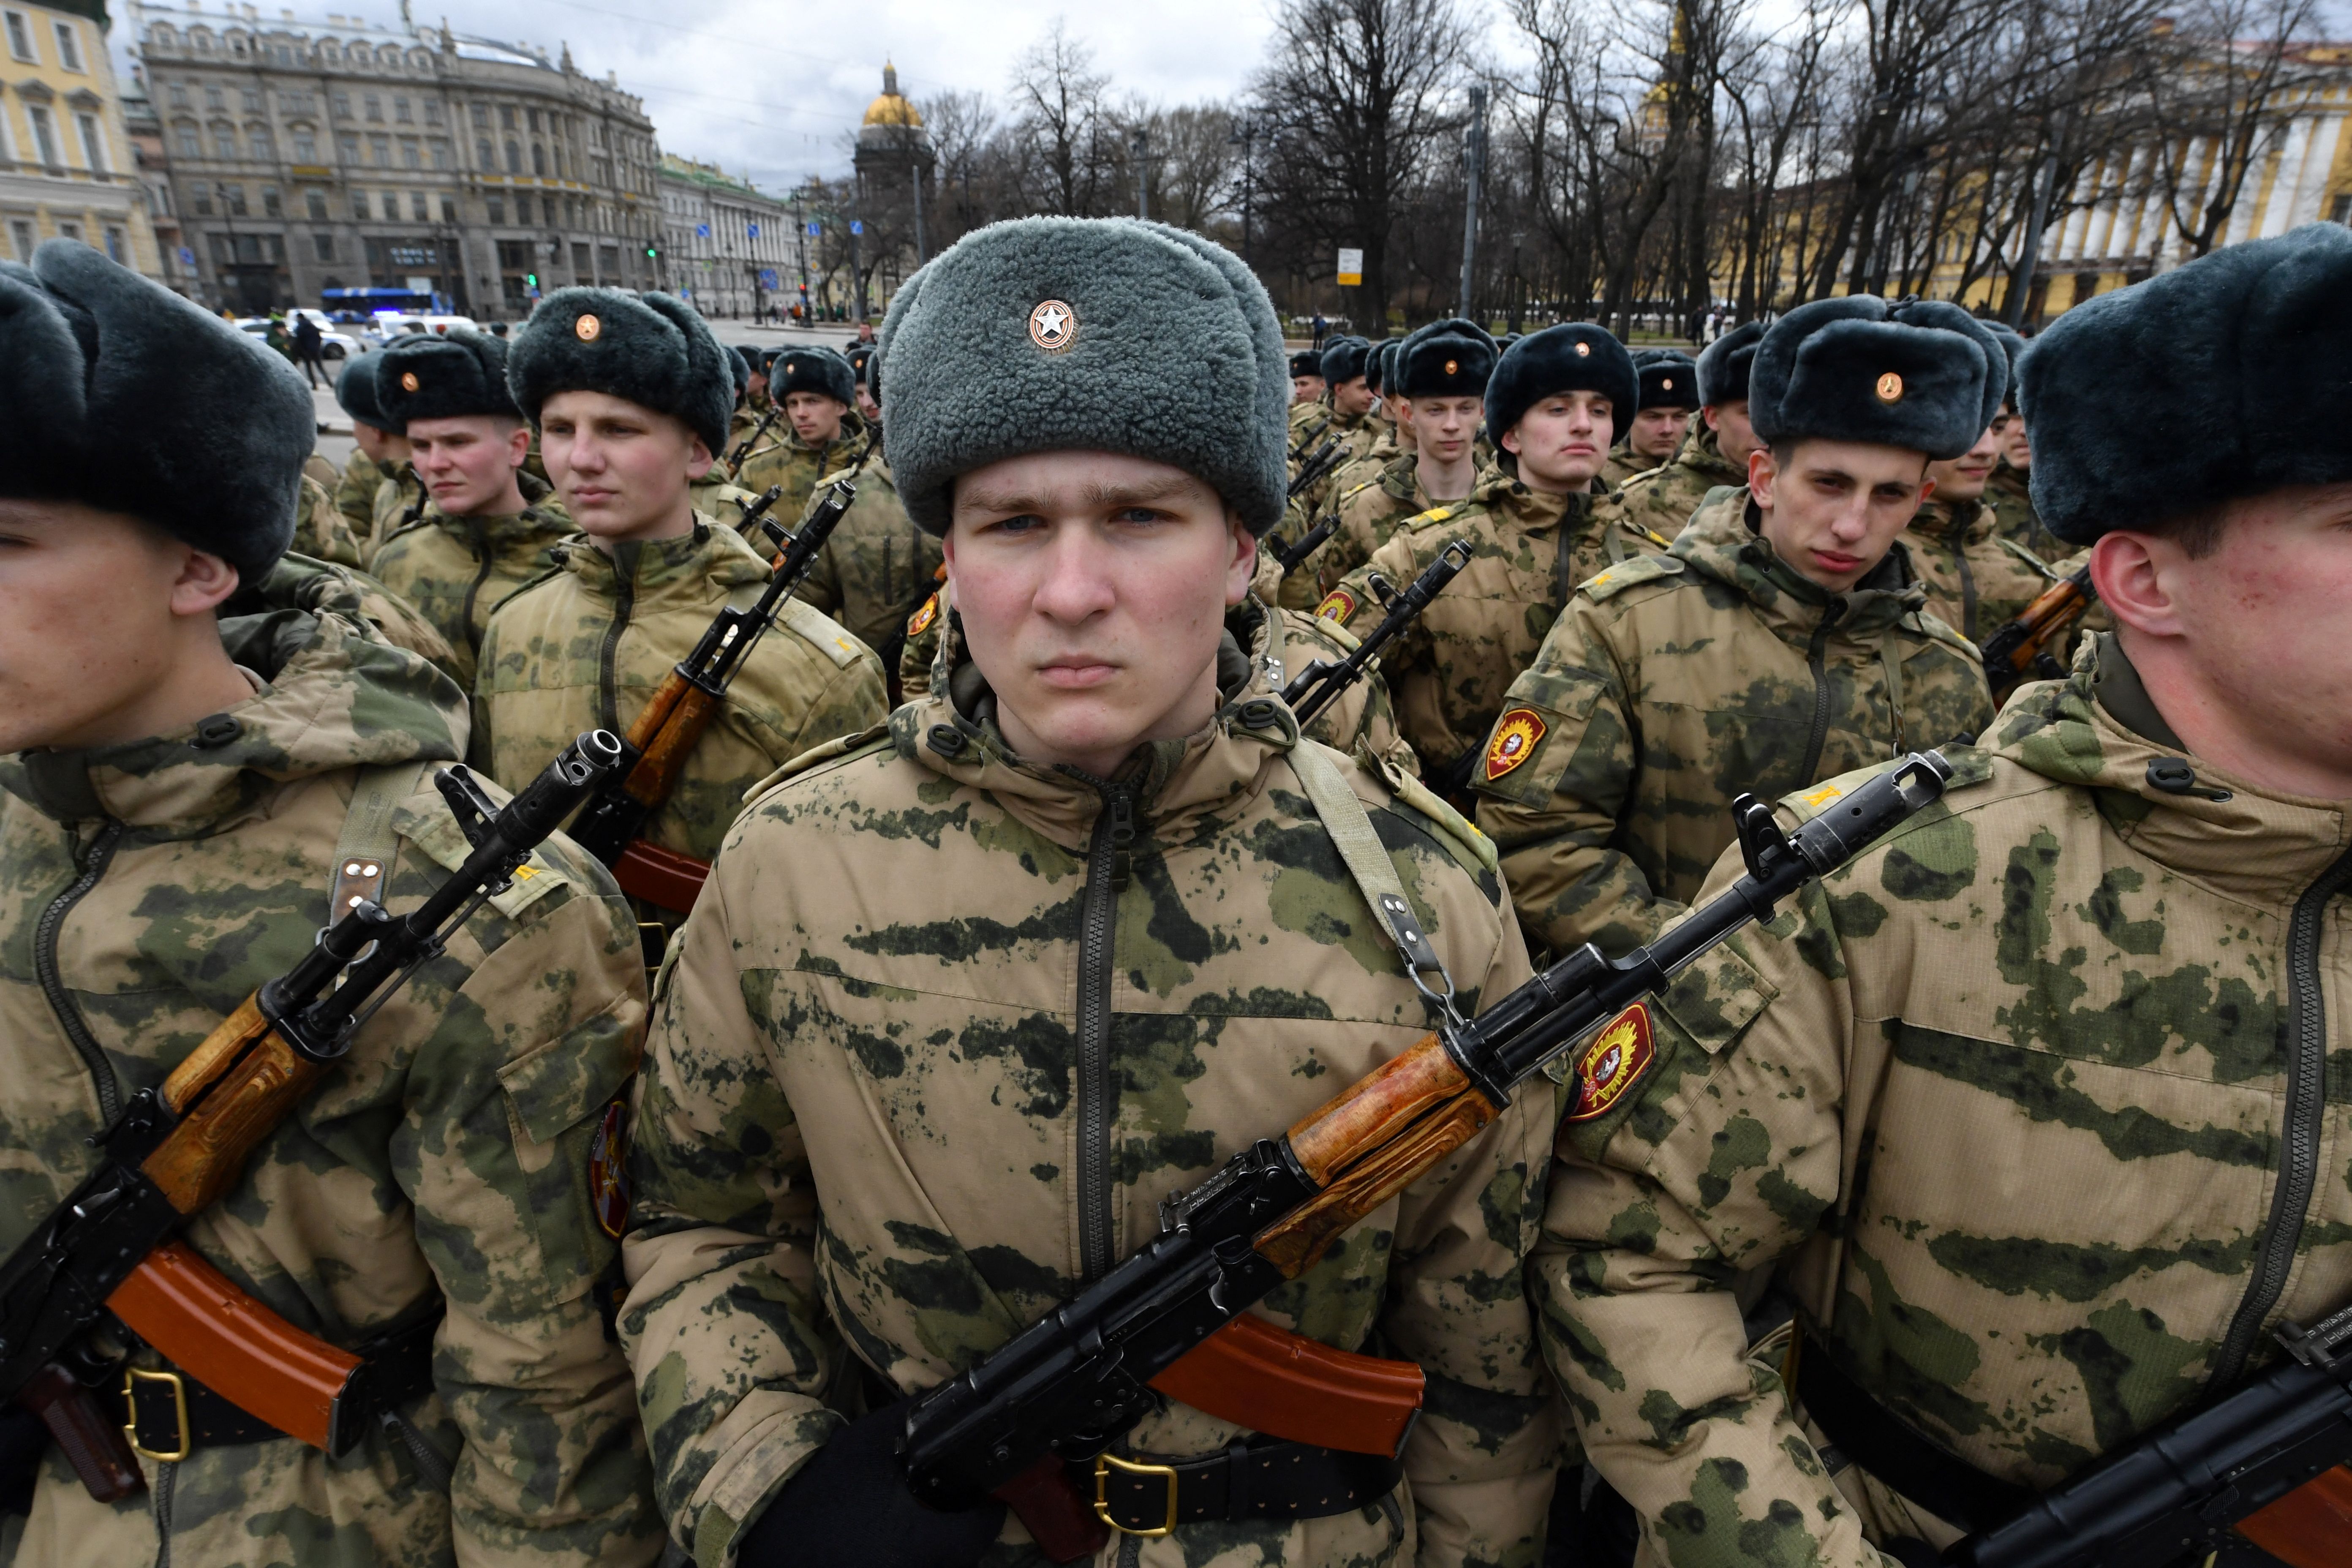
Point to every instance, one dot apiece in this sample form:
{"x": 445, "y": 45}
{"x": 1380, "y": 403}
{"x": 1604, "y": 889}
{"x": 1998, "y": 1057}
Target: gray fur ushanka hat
{"x": 818, "y": 370}
{"x": 355, "y": 394}
{"x": 1451, "y": 358}
{"x": 1669, "y": 378}
{"x": 84, "y": 345}
{"x": 1343, "y": 359}
{"x": 429, "y": 377}
{"x": 1923, "y": 375}
{"x": 1088, "y": 335}
{"x": 1574, "y": 356}
{"x": 652, "y": 350}
{"x": 1724, "y": 364}
{"x": 2226, "y": 378}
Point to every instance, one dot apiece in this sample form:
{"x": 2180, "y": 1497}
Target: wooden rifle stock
{"x": 664, "y": 736}
{"x": 2014, "y": 651}
{"x": 2311, "y": 1527}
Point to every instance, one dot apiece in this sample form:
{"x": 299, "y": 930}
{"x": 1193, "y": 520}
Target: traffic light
{"x": 530, "y": 279}
{"x": 652, "y": 253}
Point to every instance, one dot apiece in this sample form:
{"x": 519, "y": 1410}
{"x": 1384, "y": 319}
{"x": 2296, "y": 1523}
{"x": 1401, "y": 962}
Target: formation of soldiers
{"x": 1006, "y": 894}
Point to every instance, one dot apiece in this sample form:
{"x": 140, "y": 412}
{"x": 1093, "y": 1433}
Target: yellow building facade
{"x": 68, "y": 168}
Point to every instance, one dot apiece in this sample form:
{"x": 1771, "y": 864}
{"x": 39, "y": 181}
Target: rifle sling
{"x": 1883, "y": 1444}
{"x": 1359, "y": 843}
{"x": 395, "y": 1369}
{"x": 1268, "y": 1479}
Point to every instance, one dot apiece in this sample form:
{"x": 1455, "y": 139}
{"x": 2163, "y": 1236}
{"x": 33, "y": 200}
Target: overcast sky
{"x": 771, "y": 88}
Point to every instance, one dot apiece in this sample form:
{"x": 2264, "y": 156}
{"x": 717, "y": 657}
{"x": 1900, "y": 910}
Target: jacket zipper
{"x": 1098, "y": 933}
{"x": 1818, "y": 664}
{"x": 1968, "y": 586}
{"x": 625, "y": 603}
{"x": 2307, "y": 1082}
{"x": 481, "y": 537}
{"x": 53, "y": 986}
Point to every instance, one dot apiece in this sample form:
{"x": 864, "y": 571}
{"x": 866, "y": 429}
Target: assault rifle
{"x": 1321, "y": 682}
{"x": 107, "y": 1251}
{"x": 662, "y": 736}
{"x": 1325, "y": 457}
{"x": 2265, "y": 1464}
{"x": 1310, "y": 542}
{"x": 1306, "y": 438}
{"x": 1174, "y": 1317}
{"x": 2020, "y": 651}
{"x": 750, "y": 443}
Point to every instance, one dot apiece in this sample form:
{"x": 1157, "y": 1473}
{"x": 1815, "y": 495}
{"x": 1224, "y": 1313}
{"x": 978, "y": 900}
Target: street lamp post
{"x": 1246, "y": 134}
{"x": 1141, "y": 144}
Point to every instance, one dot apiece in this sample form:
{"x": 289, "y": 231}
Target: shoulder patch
{"x": 845, "y": 749}
{"x": 1614, "y": 1061}
{"x": 822, "y": 631}
{"x": 1937, "y": 629}
{"x": 1513, "y": 740}
{"x": 1605, "y": 585}
{"x": 1336, "y": 607}
{"x": 920, "y": 621}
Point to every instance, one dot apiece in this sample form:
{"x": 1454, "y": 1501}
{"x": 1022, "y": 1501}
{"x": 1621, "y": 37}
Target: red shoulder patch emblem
{"x": 608, "y": 1168}
{"x": 1513, "y": 740}
{"x": 1337, "y": 606}
{"x": 1615, "y": 1060}
{"x": 920, "y": 621}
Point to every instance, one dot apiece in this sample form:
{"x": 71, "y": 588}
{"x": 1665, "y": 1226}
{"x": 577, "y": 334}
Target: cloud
{"x": 769, "y": 89}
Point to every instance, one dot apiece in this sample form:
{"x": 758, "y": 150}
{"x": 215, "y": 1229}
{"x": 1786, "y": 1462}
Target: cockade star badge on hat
{"x": 408, "y": 381}
{"x": 1890, "y": 388}
{"x": 1452, "y": 367}
{"x": 1053, "y": 326}
{"x": 588, "y": 329}
{"x": 1583, "y": 351}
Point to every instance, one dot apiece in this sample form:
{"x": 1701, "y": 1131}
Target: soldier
{"x": 1976, "y": 581}
{"x": 1715, "y": 447}
{"x": 1669, "y": 392}
{"x": 488, "y": 532}
{"x": 379, "y": 452}
{"x": 742, "y": 416}
{"x": 1306, "y": 376}
{"x": 178, "y": 796}
{"x": 625, "y": 410}
{"x": 869, "y": 404}
{"x": 755, "y": 389}
{"x": 1785, "y": 638}
{"x": 321, "y": 530}
{"x": 2010, "y": 490}
{"x": 968, "y": 996}
{"x": 1537, "y": 524}
{"x": 2023, "y": 1107}
{"x": 824, "y": 432}
{"x": 1437, "y": 379}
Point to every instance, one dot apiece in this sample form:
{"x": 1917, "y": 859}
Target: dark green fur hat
{"x": 652, "y": 350}
{"x": 739, "y": 372}
{"x": 355, "y": 393}
{"x": 1088, "y": 335}
{"x": 1669, "y": 378}
{"x": 1306, "y": 361}
{"x": 1444, "y": 358}
{"x": 1724, "y": 364}
{"x": 1343, "y": 359}
{"x": 217, "y": 463}
{"x": 2013, "y": 344}
{"x": 1377, "y": 362}
{"x": 1575, "y": 356}
{"x": 2226, "y": 378}
{"x": 429, "y": 377}
{"x": 819, "y": 370}
{"x": 1923, "y": 375}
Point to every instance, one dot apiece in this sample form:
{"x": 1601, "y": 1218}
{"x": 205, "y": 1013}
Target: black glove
{"x": 850, "y": 1507}
{"x": 22, "y": 1441}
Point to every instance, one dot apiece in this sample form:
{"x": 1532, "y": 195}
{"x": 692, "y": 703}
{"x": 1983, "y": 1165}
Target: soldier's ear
{"x": 203, "y": 583}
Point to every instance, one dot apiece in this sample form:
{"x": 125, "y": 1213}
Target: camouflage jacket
{"x": 300, "y": 583}
{"x": 1625, "y": 463}
{"x": 878, "y": 567}
{"x": 355, "y": 493}
{"x": 1662, "y": 499}
{"x": 2005, "y": 1101}
{"x": 455, "y": 569}
{"x": 151, "y": 886}
{"x": 1672, "y": 684}
{"x": 1449, "y": 670}
{"x": 2010, "y": 491}
{"x": 716, "y": 496}
{"x": 893, "y": 1096}
{"x": 789, "y": 461}
{"x": 320, "y": 531}
{"x": 1358, "y": 433}
{"x": 1369, "y": 512}
{"x": 1976, "y": 584}
{"x": 586, "y": 645}
{"x": 1304, "y": 511}
{"x": 400, "y": 501}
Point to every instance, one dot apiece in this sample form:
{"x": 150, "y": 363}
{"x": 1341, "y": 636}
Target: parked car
{"x": 333, "y": 343}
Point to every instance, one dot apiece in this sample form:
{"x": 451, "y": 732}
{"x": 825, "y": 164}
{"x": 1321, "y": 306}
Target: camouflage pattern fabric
{"x": 355, "y": 492}
{"x": 877, "y": 567}
{"x": 455, "y": 570}
{"x": 1976, "y": 585}
{"x": 1449, "y": 670}
{"x": 2011, "y": 494}
{"x": 587, "y": 645}
{"x": 400, "y": 501}
{"x": 300, "y": 582}
{"x": 2000, "y": 1103}
{"x": 789, "y": 461}
{"x": 1369, "y": 513}
{"x": 319, "y": 530}
{"x": 1625, "y": 463}
{"x": 1358, "y": 433}
{"x": 1673, "y": 683}
{"x": 1661, "y": 499}
{"x": 862, "y": 1110}
{"x": 715, "y": 496}
{"x": 161, "y": 881}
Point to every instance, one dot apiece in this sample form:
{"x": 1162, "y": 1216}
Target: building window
{"x": 212, "y": 100}
{"x": 272, "y": 204}
{"x": 374, "y": 108}
{"x": 306, "y": 145}
{"x": 178, "y": 96}
{"x": 191, "y": 144}
{"x": 432, "y": 111}
{"x": 325, "y": 246}
{"x": 409, "y": 158}
{"x": 257, "y": 139}
{"x": 237, "y": 201}
{"x": 348, "y": 146}
{"x": 481, "y": 116}
{"x": 539, "y": 159}
{"x": 93, "y": 145}
{"x": 497, "y": 205}
{"x": 45, "y": 134}
{"x": 514, "y": 157}
{"x": 505, "y": 117}
{"x": 400, "y": 111}
{"x": 224, "y": 141}
{"x": 69, "y": 231}
{"x": 68, "y": 48}
{"x": 314, "y": 203}
{"x": 342, "y": 102}
{"x": 2341, "y": 211}
{"x": 537, "y": 124}
{"x": 381, "y": 146}
{"x": 442, "y": 158}
{"x": 252, "y": 96}
{"x": 449, "y": 209}
{"x": 20, "y": 38}
{"x": 117, "y": 249}
{"x": 20, "y": 235}
{"x": 484, "y": 158}
{"x": 203, "y": 202}
{"x": 358, "y": 205}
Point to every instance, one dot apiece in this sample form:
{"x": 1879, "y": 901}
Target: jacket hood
{"x": 662, "y": 569}
{"x": 1956, "y": 523}
{"x": 1722, "y": 543}
{"x": 332, "y": 698}
{"x": 1217, "y": 770}
{"x": 1501, "y": 491}
{"x": 2097, "y": 730}
{"x": 1702, "y": 455}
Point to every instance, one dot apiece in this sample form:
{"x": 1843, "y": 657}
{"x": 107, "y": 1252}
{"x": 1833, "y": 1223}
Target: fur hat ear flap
{"x": 1724, "y": 365}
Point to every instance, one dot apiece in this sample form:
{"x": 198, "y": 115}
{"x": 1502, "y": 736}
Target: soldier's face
{"x": 1353, "y": 395}
{"x": 1834, "y": 509}
{"x": 1306, "y": 388}
{"x": 2015, "y": 448}
{"x": 815, "y": 418}
{"x": 1962, "y": 479}
{"x": 622, "y": 469}
{"x": 469, "y": 464}
{"x": 381, "y": 446}
{"x": 1656, "y": 431}
{"x": 71, "y": 677}
{"x": 1093, "y": 589}
{"x": 1563, "y": 441}
{"x": 1443, "y": 427}
{"x": 1734, "y": 436}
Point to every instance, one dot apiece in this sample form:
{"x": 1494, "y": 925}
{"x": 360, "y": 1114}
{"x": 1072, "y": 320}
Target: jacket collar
{"x": 1722, "y": 543}
{"x": 1701, "y": 455}
{"x": 1501, "y": 491}
{"x": 684, "y": 568}
{"x": 1958, "y": 524}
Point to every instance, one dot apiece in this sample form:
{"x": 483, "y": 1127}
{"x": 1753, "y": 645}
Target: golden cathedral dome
{"x": 891, "y": 109}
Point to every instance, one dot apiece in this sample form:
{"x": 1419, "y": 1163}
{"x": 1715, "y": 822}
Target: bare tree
{"x": 2215, "y": 100}
{"x": 1061, "y": 128}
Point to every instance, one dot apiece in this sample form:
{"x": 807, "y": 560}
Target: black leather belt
{"x": 1265, "y": 1480}
{"x": 1951, "y": 1489}
{"x": 168, "y": 1414}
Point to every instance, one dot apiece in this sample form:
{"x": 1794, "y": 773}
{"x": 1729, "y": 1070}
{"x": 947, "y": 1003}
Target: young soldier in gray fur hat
{"x": 179, "y": 795}
{"x": 1669, "y": 381}
{"x": 1715, "y": 445}
{"x": 1096, "y": 830}
{"x": 823, "y": 432}
{"x": 379, "y": 450}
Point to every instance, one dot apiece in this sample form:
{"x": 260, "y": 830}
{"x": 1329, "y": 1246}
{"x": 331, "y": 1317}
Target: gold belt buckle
{"x": 1104, "y": 1465}
{"x": 130, "y": 1379}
